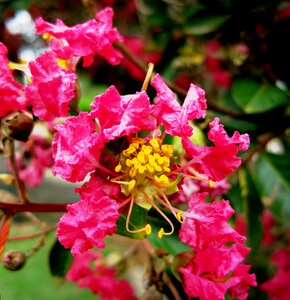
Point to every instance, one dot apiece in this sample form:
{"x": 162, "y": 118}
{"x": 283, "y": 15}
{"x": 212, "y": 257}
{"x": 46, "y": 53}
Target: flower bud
{"x": 17, "y": 125}
{"x": 14, "y": 260}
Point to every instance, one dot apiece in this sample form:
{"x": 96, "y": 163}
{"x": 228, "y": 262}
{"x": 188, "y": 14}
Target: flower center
{"x": 145, "y": 168}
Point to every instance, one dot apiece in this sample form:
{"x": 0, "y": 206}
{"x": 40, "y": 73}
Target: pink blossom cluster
{"x": 51, "y": 81}
{"x": 91, "y": 144}
{"x": 119, "y": 148}
{"x": 90, "y": 271}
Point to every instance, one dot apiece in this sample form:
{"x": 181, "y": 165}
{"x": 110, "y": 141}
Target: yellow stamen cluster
{"x": 145, "y": 168}
{"x": 146, "y": 160}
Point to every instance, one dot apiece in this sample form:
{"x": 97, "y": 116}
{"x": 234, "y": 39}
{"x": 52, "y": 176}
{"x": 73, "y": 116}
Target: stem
{"x": 20, "y": 186}
{"x": 33, "y": 207}
{"x": 33, "y": 235}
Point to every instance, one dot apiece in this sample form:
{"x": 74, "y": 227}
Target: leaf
{"x": 204, "y": 25}
{"x": 59, "y": 260}
{"x": 255, "y": 97}
{"x": 280, "y": 164}
{"x": 274, "y": 170}
{"x": 138, "y": 220}
{"x": 254, "y": 209}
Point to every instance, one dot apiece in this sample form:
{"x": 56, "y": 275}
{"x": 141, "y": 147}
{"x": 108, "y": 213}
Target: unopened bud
{"x": 17, "y": 125}
{"x": 14, "y": 260}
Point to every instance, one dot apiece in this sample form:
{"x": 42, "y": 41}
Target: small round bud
{"x": 14, "y": 260}
{"x": 17, "y": 125}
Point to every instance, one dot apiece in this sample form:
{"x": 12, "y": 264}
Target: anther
{"x": 179, "y": 216}
{"x": 118, "y": 168}
{"x": 131, "y": 185}
{"x": 160, "y": 233}
{"x": 148, "y": 229}
{"x": 211, "y": 183}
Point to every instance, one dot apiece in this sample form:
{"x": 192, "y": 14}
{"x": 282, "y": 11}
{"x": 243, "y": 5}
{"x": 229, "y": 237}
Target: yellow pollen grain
{"x": 47, "y": 36}
{"x": 128, "y": 163}
{"x": 211, "y": 183}
{"x": 160, "y": 233}
{"x": 157, "y": 168}
{"x": 148, "y": 229}
{"x": 131, "y": 185}
{"x": 155, "y": 144}
{"x": 141, "y": 157}
{"x": 161, "y": 179}
{"x": 179, "y": 216}
{"x": 167, "y": 150}
{"x": 118, "y": 168}
{"x": 142, "y": 169}
{"x": 133, "y": 172}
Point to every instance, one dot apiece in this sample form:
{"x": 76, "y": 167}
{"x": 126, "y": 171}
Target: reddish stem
{"x": 32, "y": 207}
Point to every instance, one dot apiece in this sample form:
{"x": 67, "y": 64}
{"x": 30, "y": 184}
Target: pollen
{"x": 145, "y": 168}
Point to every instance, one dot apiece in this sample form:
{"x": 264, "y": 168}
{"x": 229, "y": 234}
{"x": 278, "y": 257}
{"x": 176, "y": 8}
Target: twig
{"x": 20, "y": 186}
{"x": 32, "y": 207}
{"x": 33, "y": 235}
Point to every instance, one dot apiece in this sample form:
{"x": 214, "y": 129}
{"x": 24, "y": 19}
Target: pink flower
{"x": 84, "y": 40}
{"x": 76, "y": 147}
{"x": 268, "y": 222}
{"x": 220, "y": 160}
{"x": 52, "y": 87}
{"x": 128, "y": 114}
{"x": 171, "y": 115}
{"x": 34, "y": 157}
{"x": 215, "y": 271}
{"x": 10, "y": 90}
{"x": 88, "y": 270}
{"x": 278, "y": 286}
{"x": 88, "y": 221}
{"x": 206, "y": 223}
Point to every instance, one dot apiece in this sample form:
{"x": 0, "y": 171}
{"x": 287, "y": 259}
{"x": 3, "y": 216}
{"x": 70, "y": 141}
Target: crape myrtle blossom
{"x": 278, "y": 287}
{"x": 83, "y": 40}
{"x": 51, "y": 87}
{"x": 33, "y": 158}
{"x": 120, "y": 145}
{"x": 89, "y": 270}
{"x": 10, "y": 89}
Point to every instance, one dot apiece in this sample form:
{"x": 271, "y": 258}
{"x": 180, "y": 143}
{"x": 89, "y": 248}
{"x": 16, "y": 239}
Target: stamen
{"x": 148, "y": 77}
{"x": 161, "y": 231}
{"x": 147, "y": 227}
{"x": 211, "y": 183}
{"x": 179, "y": 216}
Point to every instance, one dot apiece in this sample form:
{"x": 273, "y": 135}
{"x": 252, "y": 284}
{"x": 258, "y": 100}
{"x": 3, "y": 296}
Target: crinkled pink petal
{"x": 218, "y": 161}
{"x": 10, "y": 90}
{"x": 99, "y": 186}
{"x": 76, "y": 147}
{"x": 87, "y": 222}
{"x": 170, "y": 114}
{"x": 278, "y": 286}
{"x": 219, "y": 137}
{"x": 84, "y": 40}
{"x": 214, "y": 271}
{"x": 206, "y": 223}
{"x": 52, "y": 87}
{"x": 122, "y": 115}
{"x": 88, "y": 271}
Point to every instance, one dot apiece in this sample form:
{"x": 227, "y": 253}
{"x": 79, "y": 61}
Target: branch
{"x": 20, "y": 186}
{"x": 32, "y": 207}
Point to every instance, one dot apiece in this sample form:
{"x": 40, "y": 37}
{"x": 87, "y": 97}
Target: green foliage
{"x": 60, "y": 260}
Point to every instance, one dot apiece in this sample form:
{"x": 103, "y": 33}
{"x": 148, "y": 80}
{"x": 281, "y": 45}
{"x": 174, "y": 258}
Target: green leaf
{"x": 274, "y": 170}
{"x": 59, "y": 260}
{"x": 254, "y": 209}
{"x": 280, "y": 164}
{"x": 256, "y": 97}
{"x": 204, "y": 25}
{"x": 138, "y": 220}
